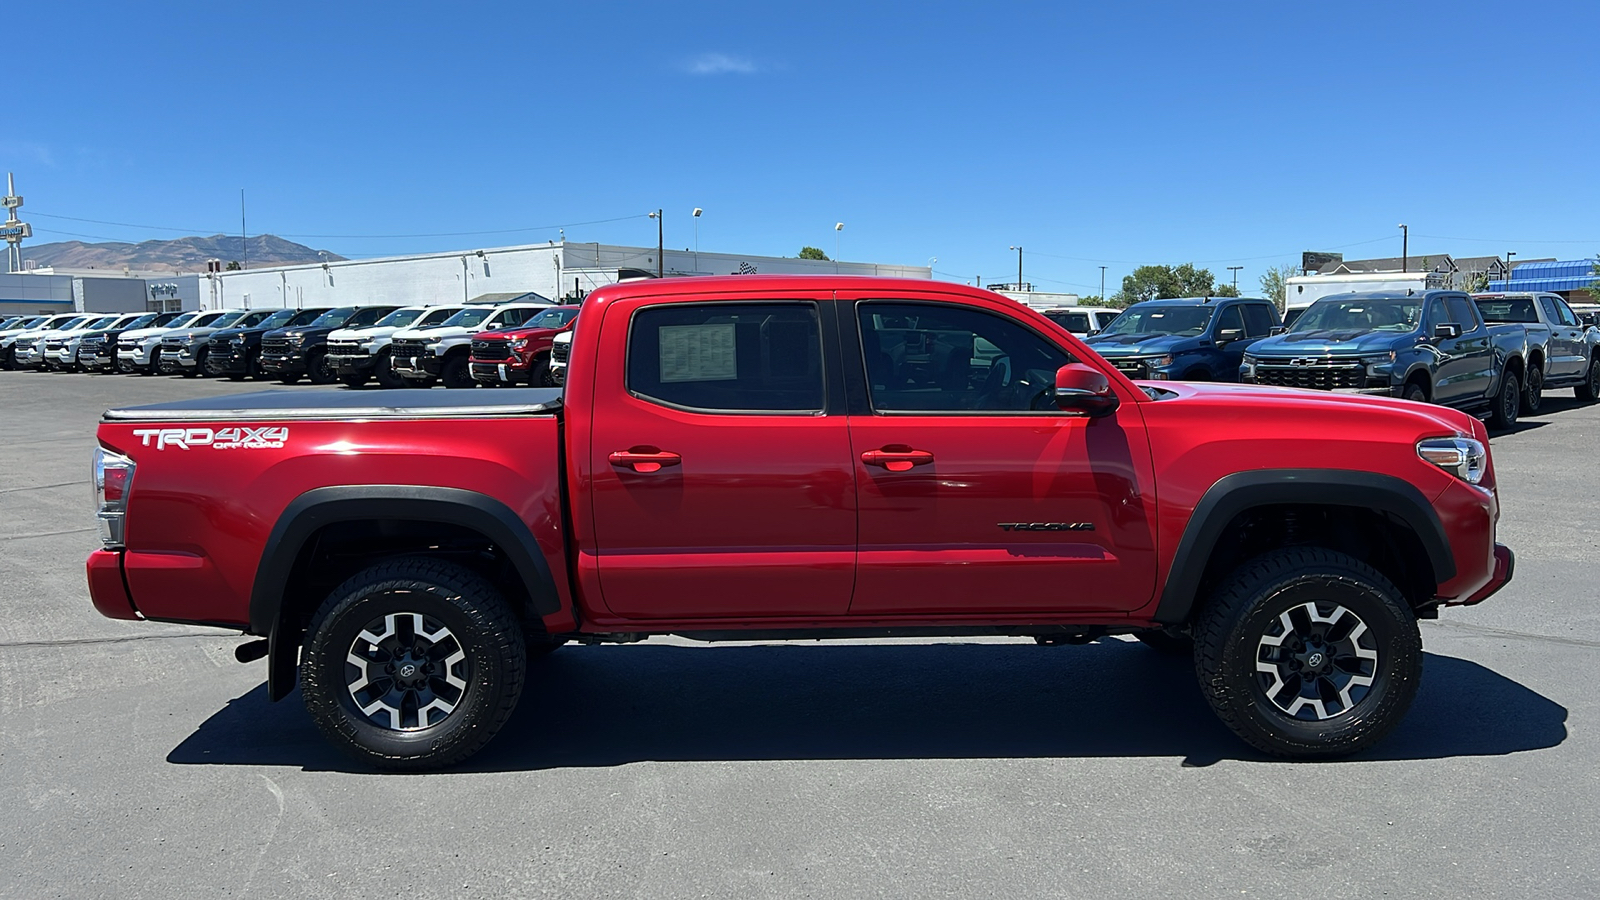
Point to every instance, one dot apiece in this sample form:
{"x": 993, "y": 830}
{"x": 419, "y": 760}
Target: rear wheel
{"x": 1533, "y": 391}
{"x": 1507, "y": 403}
{"x": 413, "y": 664}
{"x": 1308, "y": 653}
{"x": 1590, "y": 389}
{"x": 457, "y": 373}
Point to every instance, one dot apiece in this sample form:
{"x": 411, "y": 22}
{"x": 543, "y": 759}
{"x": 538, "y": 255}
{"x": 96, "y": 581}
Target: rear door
{"x": 977, "y": 496}
{"x": 1566, "y": 349}
{"x": 722, "y": 483}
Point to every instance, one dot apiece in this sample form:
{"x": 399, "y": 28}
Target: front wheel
{"x": 1308, "y": 653}
{"x": 1507, "y": 403}
{"x": 319, "y": 370}
{"x": 457, "y": 373}
{"x": 413, "y": 664}
{"x": 383, "y": 372}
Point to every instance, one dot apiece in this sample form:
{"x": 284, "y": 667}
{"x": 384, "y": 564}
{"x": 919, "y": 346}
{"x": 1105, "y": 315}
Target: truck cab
{"x": 1185, "y": 339}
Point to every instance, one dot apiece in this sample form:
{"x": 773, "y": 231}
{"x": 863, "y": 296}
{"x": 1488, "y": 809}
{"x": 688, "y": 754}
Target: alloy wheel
{"x": 406, "y": 671}
{"x": 1317, "y": 661}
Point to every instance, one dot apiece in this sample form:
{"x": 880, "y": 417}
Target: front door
{"x": 721, "y": 483}
{"x": 1465, "y": 366}
{"x": 1567, "y": 351}
{"x": 978, "y": 496}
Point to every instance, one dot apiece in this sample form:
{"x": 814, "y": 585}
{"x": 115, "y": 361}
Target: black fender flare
{"x": 319, "y": 507}
{"x": 1242, "y": 491}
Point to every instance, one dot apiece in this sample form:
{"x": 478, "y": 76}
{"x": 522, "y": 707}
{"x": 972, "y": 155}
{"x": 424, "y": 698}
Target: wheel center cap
{"x": 408, "y": 670}
{"x": 1315, "y": 660}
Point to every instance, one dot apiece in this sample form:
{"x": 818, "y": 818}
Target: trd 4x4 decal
{"x": 268, "y": 437}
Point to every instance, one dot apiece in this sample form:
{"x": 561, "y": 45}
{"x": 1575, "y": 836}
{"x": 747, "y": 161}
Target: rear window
{"x": 728, "y": 357}
{"x": 1509, "y": 310}
{"x": 1076, "y": 322}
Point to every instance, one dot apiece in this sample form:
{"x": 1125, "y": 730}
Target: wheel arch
{"x": 277, "y": 612}
{"x": 1348, "y": 494}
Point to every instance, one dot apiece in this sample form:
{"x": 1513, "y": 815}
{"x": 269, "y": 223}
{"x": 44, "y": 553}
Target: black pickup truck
{"x": 1428, "y": 346}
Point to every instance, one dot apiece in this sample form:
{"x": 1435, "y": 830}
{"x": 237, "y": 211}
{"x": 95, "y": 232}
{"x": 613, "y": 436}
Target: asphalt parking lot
{"x": 141, "y": 760}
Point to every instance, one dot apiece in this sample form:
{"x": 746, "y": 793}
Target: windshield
{"x": 554, "y": 318}
{"x": 229, "y": 320}
{"x": 1180, "y": 320}
{"x": 468, "y": 317}
{"x": 252, "y": 319}
{"x": 333, "y": 318}
{"x": 437, "y": 316}
{"x": 1510, "y": 309}
{"x": 140, "y": 322}
{"x": 182, "y": 321}
{"x": 69, "y": 323}
{"x": 368, "y": 317}
{"x": 1398, "y": 314}
{"x": 400, "y": 318}
{"x": 278, "y": 319}
{"x": 308, "y": 316}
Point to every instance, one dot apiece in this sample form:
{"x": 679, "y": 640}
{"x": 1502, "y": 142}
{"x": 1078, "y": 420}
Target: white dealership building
{"x": 556, "y": 270}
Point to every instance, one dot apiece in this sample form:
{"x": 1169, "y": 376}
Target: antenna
{"x": 13, "y": 229}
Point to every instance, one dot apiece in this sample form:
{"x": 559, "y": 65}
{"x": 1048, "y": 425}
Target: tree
{"x": 1094, "y": 300}
{"x": 234, "y": 266}
{"x": 1164, "y": 282}
{"x": 1594, "y": 286}
{"x": 812, "y": 253}
{"x": 1275, "y": 285}
{"x": 1475, "y": 282}
{"x": 1226, "y": 290}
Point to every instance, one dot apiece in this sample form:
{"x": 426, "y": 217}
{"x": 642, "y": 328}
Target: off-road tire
{"x": 457, "y": 373}
{"x": 477, "y": 618}
{"x": 1533, "y": 392}
{"x": 1590, "y": 389}
{"x": 383, "y": 373}
{"x": 1166, "y": 643}
{"x": 1507, "y": 403}
{"x": 1232, "y": 632}
{"x": 1415, "y": 393}
{"x": 317, "y": 369}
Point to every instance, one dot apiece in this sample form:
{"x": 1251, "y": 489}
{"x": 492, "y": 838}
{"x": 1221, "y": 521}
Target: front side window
{"x": 934, "y": 358}
{"x": 1565, "y": 314}
{"x": 1230, "y": 320}
{"x": 436, "y": 317}
{"x": 733, "y": 357}
{"x": 1461, "y": 312}
{"x": 252, "y": 319}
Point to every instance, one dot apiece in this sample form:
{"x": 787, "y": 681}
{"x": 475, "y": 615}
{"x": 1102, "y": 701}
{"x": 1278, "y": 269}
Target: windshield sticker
{"x": 270, "y": 437}
{"x": 698, "y": 353}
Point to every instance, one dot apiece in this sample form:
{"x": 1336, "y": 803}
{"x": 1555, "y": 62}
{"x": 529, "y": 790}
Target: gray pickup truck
{"x": 1561, "y": 350}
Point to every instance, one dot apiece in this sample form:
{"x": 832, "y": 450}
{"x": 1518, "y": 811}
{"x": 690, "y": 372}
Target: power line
{"x": 1436, "y": 237}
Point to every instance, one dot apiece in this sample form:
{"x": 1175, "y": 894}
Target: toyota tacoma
{"x": 765, "y": 457}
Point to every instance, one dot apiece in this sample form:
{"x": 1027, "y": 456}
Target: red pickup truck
{"x": 802, "y": 457}
{"x": 520, "y": 355}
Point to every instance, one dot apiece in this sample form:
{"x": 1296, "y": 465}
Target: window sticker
{"x": 698, "y": 353}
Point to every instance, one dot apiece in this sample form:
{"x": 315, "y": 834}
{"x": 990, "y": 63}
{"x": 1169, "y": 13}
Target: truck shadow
{"x": 610, "y": 706}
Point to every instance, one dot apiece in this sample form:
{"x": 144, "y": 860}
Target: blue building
{"x": 1567, "y": 277}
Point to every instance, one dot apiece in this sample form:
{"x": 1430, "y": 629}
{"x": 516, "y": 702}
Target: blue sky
{"x": 1105, "y": 134}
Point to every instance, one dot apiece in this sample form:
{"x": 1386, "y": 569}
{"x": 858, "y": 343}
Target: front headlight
{"x": 1249, "y": 360}
{"x": 237, "y": 340}
{"x": 1463, "y": 457}
{"x": 519, "y": 344}
{"x": 1162, "y": 360}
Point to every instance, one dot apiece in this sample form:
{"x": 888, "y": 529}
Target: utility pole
{"x": 1018, "y": 248}
{"x": 1235, "y": 271}
{"x": 1405, "y": 248}
{"x": 244, "y": 236}
{"x": 661, "y": 264}
{"x": 1102, "y": 284}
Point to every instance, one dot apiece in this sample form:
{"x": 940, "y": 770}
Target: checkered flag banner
{"x": 746, "y": 269}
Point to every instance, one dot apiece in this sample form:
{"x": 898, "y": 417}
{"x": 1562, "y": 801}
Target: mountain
{"x": 188, "y": 254}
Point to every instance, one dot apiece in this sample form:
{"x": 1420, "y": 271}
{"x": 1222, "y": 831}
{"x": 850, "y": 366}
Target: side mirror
{"x": 1276, "y": 330}
{"x": 1446, "y": 330}
{"x": 1082, "y": 389}
{"x": 1092, "y": 332}
{"x": 1229, "y": 335}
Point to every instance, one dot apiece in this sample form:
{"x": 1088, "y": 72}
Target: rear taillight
{"x": 112, "y": 478}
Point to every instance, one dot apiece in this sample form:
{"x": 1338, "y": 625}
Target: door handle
{"x": 897, "y": 458}
{"x": 644, "y": 459}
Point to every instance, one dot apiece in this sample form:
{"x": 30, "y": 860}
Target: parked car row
{"x": 460, "y": 345}
{"x": 1490, "y": 354}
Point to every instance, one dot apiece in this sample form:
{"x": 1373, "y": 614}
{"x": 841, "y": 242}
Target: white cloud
{"x": 721, "y": 64}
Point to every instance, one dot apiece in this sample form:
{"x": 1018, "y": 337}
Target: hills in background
{"x": 187, "y": 254}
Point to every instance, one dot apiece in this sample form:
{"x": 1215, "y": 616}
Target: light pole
{"x": 1102, "y": 285}
{"x": 661, "y": 264}
{"x": 696, "y": 216}
{"x": 1018, "y": 248}
{"x": 837, "y": 227}
{"x": 1509, "y": 254}
{"x": 1405, "y": 247}
{"x": 1235, "y": 271}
